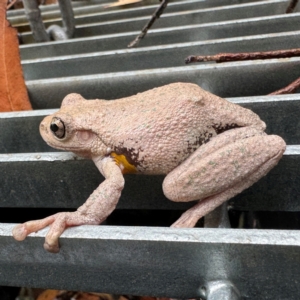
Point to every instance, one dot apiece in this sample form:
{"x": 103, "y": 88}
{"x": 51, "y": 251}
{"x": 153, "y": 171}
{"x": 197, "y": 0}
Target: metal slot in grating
{"x": 176, "y": 263}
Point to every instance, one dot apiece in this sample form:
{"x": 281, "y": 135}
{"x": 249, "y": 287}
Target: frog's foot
{"x": 21, "y": 231}
{"x": 93, "y": 212}
{"x": 58, "y": 223}
{"x": 187, "y": 220}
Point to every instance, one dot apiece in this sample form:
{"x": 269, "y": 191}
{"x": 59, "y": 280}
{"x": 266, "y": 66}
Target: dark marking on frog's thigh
{"x": 220, "y": 128}
{"x": 198, "y": 141}
{"x": 206, "y": 136}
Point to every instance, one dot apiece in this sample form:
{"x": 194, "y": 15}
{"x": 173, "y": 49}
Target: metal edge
{"x": 158, "y": 48}
{"x": 67, "y": 156}
{"x": 168, "y": 234}
{"x": 165, "y": 29}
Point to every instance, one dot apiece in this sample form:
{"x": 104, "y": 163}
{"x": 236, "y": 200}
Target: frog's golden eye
{"x": 57, "y": 127}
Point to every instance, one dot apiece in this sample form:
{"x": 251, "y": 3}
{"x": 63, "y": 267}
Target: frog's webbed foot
{"x": 58, "y": 223}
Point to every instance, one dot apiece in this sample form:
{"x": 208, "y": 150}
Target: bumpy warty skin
{"x": 155, "y": 130}
{"x": 209, "y": 149}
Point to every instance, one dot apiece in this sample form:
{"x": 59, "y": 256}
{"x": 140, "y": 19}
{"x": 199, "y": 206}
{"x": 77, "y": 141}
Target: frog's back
{"x": 174, "y": 93}
{"x": 182, "y": 102}
{"x": 156, "y": 130}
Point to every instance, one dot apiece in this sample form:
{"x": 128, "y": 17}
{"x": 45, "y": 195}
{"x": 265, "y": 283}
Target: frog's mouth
{"x": 65, "y": 148}
{"x": 44, "y": 129}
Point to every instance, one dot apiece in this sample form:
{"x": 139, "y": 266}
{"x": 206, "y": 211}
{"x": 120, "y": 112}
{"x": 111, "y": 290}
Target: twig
{"x": 223, "y": 57}
{"x": 291, "y": 88}
{"x": 291, "y": 6}
{"x": 155, "y": 16}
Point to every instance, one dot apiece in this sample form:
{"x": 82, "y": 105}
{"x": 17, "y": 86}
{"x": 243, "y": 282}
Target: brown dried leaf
{"x": 13, "y": 93}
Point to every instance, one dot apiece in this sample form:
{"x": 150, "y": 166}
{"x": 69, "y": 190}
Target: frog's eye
{"x": 57, "y": 127}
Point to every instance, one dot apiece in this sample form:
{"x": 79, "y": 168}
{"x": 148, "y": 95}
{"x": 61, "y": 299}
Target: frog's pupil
{"x": 54, "y": 127}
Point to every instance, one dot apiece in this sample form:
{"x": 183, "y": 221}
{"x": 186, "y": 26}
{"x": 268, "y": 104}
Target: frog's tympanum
{"x": 209, "y": 149}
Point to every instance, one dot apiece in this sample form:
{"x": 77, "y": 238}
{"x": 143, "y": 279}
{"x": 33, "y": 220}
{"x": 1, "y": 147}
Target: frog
{"x": 208, "y": 148}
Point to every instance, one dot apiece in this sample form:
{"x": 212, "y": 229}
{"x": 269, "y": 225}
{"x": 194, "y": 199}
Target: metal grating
{"x": 177, "y": 263}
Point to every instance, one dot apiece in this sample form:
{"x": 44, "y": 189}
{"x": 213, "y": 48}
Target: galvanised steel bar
{"x": 221, "y": 13}
{"x": 160, "y": 262}
{"x": 62, "y": 180}
{"x": 151, "y": 57}
{"x": 220, "y": 289}
{"x": 100, "y": 14}
{"x": 87, "y": 13}
{"x": 67, "y": 16}
{"x": 216, "y": 14}
{"x": 19, "y": 131}
{"x": 54, "y": 7}
{"x": 218, "y": 218}
{"x": 55, "y": 32}
{"x": 34, "y": 17}
{"x": 246, "y": 79}
{"x": 165, "y": 36}
{"x": 52, "y": 12}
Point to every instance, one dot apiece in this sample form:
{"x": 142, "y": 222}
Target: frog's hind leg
{"x": 220, "y": 171}
{"x": 206, "y": 205}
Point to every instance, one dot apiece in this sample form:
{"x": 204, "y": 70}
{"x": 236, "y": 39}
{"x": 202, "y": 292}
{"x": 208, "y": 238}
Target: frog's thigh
{"x": 228, "y": 167}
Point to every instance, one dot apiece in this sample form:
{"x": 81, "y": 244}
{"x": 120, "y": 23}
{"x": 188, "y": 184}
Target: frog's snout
{"x": 44, "y": 127}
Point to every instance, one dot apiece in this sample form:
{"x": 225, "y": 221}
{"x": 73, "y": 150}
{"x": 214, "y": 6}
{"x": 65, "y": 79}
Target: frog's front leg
{"x": 220, "y": 169}
{"x": 94, "y": 211}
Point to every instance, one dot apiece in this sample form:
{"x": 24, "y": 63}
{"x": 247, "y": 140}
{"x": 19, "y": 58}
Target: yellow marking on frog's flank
{"x": 123, "y": 163}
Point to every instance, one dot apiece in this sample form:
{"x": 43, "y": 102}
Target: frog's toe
{"x": 185, "y": 221}
{"x": 58, "y": 226}
{"x": 53, "y": 247}
{"x": 20, "y": 232}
